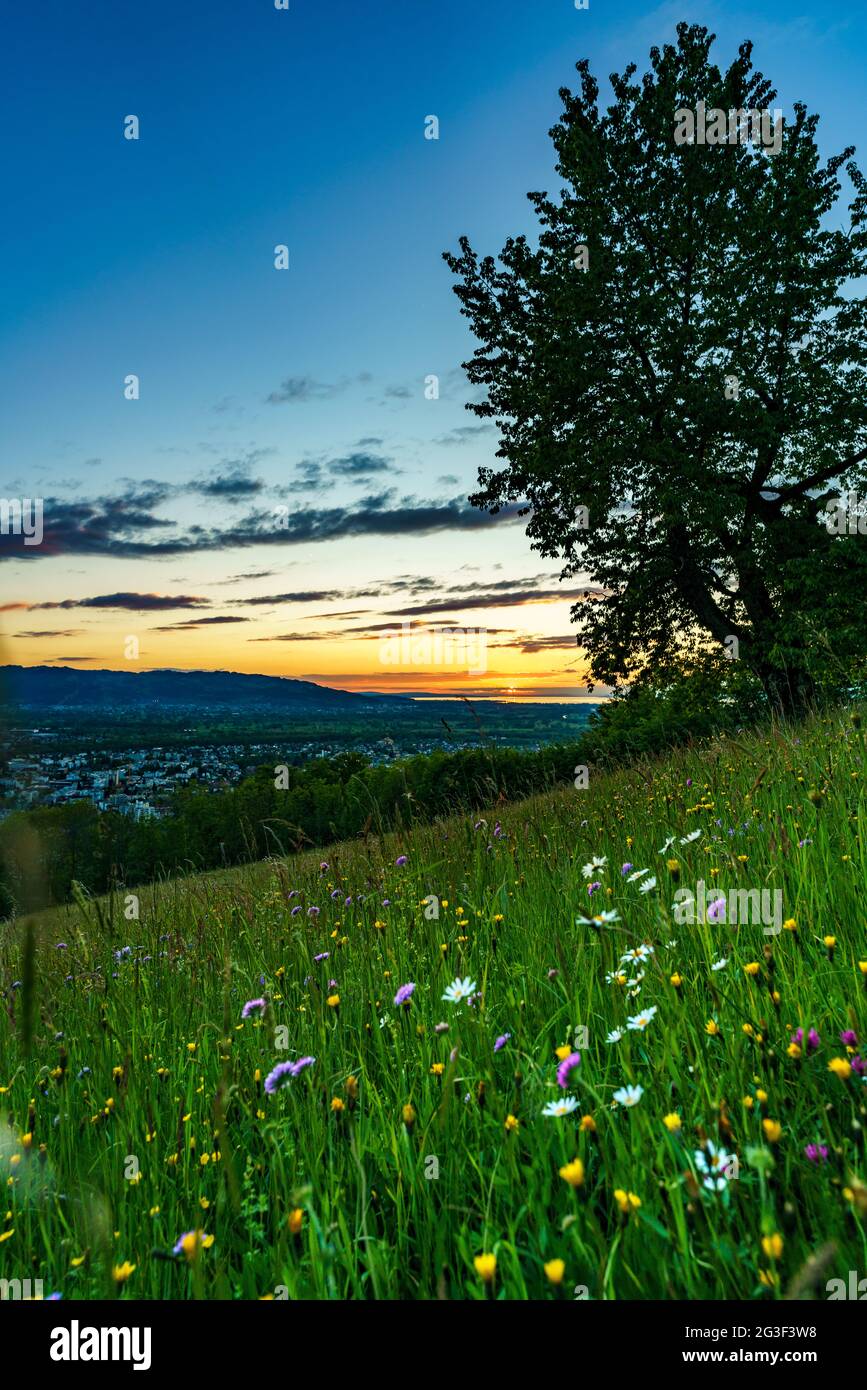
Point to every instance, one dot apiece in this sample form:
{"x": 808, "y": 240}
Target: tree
{"x": 682, "y": 353}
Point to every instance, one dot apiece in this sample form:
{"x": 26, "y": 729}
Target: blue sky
{"x": 155, "y": 257}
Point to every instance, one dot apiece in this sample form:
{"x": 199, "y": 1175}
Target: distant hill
{"x": 48, "y": 687}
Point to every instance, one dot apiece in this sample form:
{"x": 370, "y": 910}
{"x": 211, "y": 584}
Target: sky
{"x": 288, "y": 489}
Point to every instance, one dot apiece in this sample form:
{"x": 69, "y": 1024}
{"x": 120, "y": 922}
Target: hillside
{"x": 516, "y": 1053}
{"x": 63, "y": 686}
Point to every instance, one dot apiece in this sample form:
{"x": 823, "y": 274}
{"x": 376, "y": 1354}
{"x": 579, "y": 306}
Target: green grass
{"x": 174, "y": 1074}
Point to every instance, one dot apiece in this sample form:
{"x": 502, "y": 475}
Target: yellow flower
{"x": 337, "y": 1104}
{"x": 486, "y": 1267}
{"x": 676, "y": 980}
{"x": 191, "y": 1047}
{"x": 122, "y": 1272}
{"x": 862, "y": 966}
{"x": 554, "y": 1270}
{"x": 573, "y": 1173}
{"x": 437, "y": 1069}
{"x": 829, "y": 941}
{"x": 773, "y": 1246}
{"x": 748, "y": 1102}
{"x": 512, "y": 1124}
{"x": 77, "y": 1260}
{"x": 588, "y": 1124}
{"x": 7, "y": 1234}
{"x": 840, "y": 1067}
{"x": 295, "y": 1220}
{"x": 773, "y": 1130}
{"x": 752, "y": 968}
{"x": 563, "y": 1052}
{"x": 627, "y": 1201}
{"x": 672, "y": 1122}
{"x": 761, "y": 1096}
{"x": 194, "y": 1241}
{"x": 333, "y": 1000}
{"x": 768, "y": 1278}
{"x": 790, "y": 924}
{"x": 408, "y": 1116}
{"x": 711, "y": 1027}
{"x": 793, "y": 1050}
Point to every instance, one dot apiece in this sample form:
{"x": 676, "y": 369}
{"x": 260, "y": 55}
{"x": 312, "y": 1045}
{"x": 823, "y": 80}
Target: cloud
{"x": 295, "y": 390}
{"x": 51, "y": 632}
{"x": 133, "y": 603}
{"x": 462, "y": 434}
{"x": 361, "y": 465}
{"x": 197, "y": 622}
{"x": 122, "y": 528}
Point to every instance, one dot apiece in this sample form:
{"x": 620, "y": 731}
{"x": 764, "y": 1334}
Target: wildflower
{"x": 403, "y": 996}
{"x": 333, "y": 1001}
{"x": 337, "y": 1104}
{"x": 554, "y": 1271}
{"x": 567, "y": 1065}
{"x": 716, "y": 910}
{"x": 614, "y": 1036}
{"x": 816, "y": 1153}
{"x": 400, "y": 860}
{"x": 284, "y": 1072}
{"x": 460, "y": 989}
{"x": 557, "y": 1108}
{"x": 639, "y": 1022}
{"x": 501, "y": 1041}
{"x": 253, "y": 1006}
{"x": 191, "y": 1243}
{"x": 323, "y": 955}
{"x": 718, "y": 965}
{"x": 840, "y": 1067}
{"x": 714, "y": 1162}
{"x": 120, "y": 1273}
{"x": 637, "y": 953}
{"x": 629, "y": 1095}
{"x": 647, "y": 886}
{"x": 712, "y": 1028}
{"x": 588, "y": 1124}
{"x": 437, "y": 1069}
{"x": 573, "y": 1173}
{"x": 594, "y": 866}
{"x": 790, "y": 924}
{"x": 849, "y": 1038}
{"x": 672, "y": 1122}
{"x": 676, "y": 980}
{"x": 486, "y": 1267}
{"x": 408, "y": 1116}
{"x": 773, "y": 1130}
{"x": 773, "y": 1246}
{"x": 511, "y": 1124}
{"x": 627, "y": 1201}
{"x": 295, "y": 1220}
{"x": 752, "y": 968}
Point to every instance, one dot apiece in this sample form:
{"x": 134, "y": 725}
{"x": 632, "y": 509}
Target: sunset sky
{"x": 282, "y": 492}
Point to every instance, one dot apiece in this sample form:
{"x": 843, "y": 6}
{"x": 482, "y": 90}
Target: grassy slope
{"x": 175, "y": 1076}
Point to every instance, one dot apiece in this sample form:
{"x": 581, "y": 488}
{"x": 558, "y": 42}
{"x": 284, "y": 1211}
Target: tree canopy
{"x": 682, "y": 351}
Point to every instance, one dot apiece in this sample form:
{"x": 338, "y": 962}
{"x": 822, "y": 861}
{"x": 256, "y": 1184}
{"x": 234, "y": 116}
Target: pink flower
{"x": 566, "y": 1066}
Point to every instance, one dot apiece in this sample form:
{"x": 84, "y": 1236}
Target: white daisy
{"x": 636, "y": 979}
{"x": 460, "y": 989}
{"x": 602, "y": 918}
{"x": 715, "y": 1163}
{"x": 561, "y": 1107}
{"x": 615, "y": 977}
{"x": 640, "y": 1021}
{"x": 719, "y": 964}
{"x": 691, "y": 837}
{"x": 614, "y": 1036}
{"x": 642, "y": 952}
{"x": 647, "y": 885}
{"x": 668, "y": 844}
{"x": 639, "y": 873}
{"x": 595, "y": 866}
{"x": 629, "y": 1095}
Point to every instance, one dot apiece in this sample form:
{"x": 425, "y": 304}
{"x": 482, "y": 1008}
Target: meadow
{"x": 483, "y": 1059}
